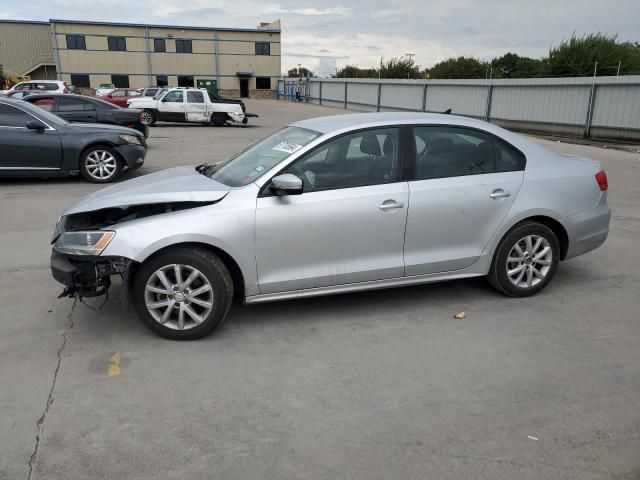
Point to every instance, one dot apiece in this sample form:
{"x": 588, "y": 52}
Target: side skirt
{"x": 361, "y": 286}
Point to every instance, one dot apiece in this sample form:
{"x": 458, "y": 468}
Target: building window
{"x": 263, "y": 83}
{"x": 80, "y": 81}
{"x": 162, "y": 81}
{"x": 117, "y": 44}
{"x": 76, "y": 42}
{"x": 263, "y": 48}
{"x": 120, "y": 81}
{"x": 183, "y": 46}
{"x": 185, "y": 80}
{"x": 159, "y": 45}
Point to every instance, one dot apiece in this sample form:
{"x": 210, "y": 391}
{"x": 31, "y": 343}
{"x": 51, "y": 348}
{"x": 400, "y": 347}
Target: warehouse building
{"x": 239, "y": 62}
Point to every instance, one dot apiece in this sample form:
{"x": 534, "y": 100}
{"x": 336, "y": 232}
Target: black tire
{"x": 91, "y": 157}
{"x": 210, "y": 266}
{"x": 218, "y": 119}
{"x": 148, "y": 117}
{"x": 498, "y": 276}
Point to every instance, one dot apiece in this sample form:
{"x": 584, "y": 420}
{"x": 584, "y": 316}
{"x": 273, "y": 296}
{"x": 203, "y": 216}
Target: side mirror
{"x": 286, "y": 184}
{"x": 33, "y": 125}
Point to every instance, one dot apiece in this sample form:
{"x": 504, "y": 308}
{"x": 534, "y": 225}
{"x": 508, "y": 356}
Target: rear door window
{"x": 195, "y": 97}
{"x": 44, "y": 103}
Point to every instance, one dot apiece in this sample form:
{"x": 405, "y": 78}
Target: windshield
{"x": 249, "y": 164}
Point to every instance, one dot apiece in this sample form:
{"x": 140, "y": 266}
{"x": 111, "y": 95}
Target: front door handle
{"x": 499, "y": 193}
{"x": 391, "y": 205}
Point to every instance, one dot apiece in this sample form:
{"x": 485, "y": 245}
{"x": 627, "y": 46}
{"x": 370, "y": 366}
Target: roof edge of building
{"x": 151, "y": 25}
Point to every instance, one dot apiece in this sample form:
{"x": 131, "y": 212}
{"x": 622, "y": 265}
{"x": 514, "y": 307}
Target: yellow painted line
{"x": 113, "y": 368}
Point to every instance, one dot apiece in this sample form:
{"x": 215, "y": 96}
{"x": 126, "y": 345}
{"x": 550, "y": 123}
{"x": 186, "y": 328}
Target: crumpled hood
{"x": 179, "y": 184}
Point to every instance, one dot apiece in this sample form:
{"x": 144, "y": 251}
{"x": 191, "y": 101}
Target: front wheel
{"x": 100, "y": 164}
{"x": 183, "y": 293}
{"x": 526, "y": 260}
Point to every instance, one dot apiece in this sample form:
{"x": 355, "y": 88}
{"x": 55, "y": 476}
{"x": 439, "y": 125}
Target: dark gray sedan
{"x": 34, "y": 142}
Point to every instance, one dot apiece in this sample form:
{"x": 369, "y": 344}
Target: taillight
{"x": 601, "y": 178}
{"x": 66, "y": 90}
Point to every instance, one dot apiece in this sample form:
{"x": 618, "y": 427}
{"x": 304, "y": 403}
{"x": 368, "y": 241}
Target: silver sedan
{"x": 333, "y": 205}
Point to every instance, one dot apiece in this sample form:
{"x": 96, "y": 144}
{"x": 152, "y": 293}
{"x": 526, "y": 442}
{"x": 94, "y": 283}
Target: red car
{"x": 119, "y": 96}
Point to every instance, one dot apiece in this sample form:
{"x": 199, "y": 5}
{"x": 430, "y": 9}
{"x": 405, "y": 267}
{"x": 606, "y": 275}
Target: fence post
{"x": 379, "y": 95}
{"x": 424, "y": 97}
{"x": 487, "y": 113}
{"x": 320, "y": 92}
{"x": 590, "y": 108}
{"x": 345, "y": 94}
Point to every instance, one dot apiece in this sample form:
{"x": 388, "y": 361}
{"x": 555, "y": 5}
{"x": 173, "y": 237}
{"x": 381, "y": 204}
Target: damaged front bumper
{"x": 86, "y": 276}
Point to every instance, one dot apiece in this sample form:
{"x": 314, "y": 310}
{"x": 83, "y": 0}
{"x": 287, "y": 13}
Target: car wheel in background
{"x": 218, "y": 119}
{"x": 147, "y": 117}
{"x": 183, "y": 293}
{"x": 100, "y": 164}
{"x": 526, "y": 260}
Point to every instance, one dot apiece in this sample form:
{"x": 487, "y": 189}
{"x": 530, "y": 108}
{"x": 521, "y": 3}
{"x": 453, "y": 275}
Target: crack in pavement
{"x": 41, "y": 420}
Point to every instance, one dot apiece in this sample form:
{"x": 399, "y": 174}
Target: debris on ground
{"x": 460, "y": 315}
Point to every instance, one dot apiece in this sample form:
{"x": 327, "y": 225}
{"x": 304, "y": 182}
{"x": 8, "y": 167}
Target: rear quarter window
{"x": 508, "y": 158}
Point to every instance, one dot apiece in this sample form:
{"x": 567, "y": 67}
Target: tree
{"x": 512, "y": 65}
{"x": 578, "y": 56}
{"x": 300, "y": 72}
{"x": 353, "y": 71}
{"x": 399, "y": 67}
{"x": 461, "y": 67}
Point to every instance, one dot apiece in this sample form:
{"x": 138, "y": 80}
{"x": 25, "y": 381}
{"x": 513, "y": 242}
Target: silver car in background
{"x": 331, "y": 205}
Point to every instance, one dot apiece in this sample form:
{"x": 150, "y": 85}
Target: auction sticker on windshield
{"x": 287, "y": 147}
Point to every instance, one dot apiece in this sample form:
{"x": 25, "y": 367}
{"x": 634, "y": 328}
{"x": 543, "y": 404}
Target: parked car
{"x": 80, "y": 108}
{"x": 51, "y": 86}
{"x": 188, "y": 105}
{"x": 119, "y": 96}
{"x": 331, "y": 205}
{"x": 104, "y": 88}
{"x": 152, "y": 91}
{"x": 34, "y": 142}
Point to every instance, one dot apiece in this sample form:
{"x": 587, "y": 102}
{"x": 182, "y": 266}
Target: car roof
{"x": 345, "y": 123}
{"x": 335, "y": 123}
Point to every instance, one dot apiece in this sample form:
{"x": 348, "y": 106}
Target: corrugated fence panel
{"x": 314, "y": 91}
{"x": 617, "y": 106}
{"x": 564, "y": 105}
{"x": 363, "y": 96}
{"x": 461, "y": 99}
{"x": 401, "y": 97}
{"x": 333, "y": 93}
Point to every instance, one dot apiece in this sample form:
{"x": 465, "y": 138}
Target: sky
{"x": 323, "y": 36}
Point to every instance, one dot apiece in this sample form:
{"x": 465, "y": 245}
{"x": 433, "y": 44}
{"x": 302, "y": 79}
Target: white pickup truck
{"x": 192, "y": 105}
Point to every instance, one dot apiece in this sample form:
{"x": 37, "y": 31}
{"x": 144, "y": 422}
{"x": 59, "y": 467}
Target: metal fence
{"x": 601, "y": 107}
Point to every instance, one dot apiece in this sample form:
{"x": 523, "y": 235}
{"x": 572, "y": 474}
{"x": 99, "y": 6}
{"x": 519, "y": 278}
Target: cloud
{"x": 277, "y": 10}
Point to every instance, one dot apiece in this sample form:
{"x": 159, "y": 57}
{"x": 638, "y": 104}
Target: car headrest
{"x": 388, "y": 147}
{"x": 370, "y": 145}
{"x": 441, "y": 145}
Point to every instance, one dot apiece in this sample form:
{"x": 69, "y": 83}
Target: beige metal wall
{"x": 235, "y": 53}
{"x": 25, "y": 46}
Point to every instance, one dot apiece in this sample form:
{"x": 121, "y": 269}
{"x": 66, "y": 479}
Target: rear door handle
{"x": 499, "y": 193}
{"x": 390, "y": 205}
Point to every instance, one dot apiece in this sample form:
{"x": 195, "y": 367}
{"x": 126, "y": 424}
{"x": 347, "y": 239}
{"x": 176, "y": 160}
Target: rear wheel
{"x": 100, "y": 164}
{"x": 147, "y": 117}
{"x": 183, "y": 293}
{"x": 526, "y": 260}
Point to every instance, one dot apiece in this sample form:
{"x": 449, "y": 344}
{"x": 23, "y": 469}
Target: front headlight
{"x": 131, "y": 139}
{"x": 83, "y": 243}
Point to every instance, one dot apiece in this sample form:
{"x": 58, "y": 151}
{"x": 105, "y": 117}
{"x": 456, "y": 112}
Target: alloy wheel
{"x": 529, "y": 261}
{"x": 101, "y": 164}
{"x": 178, "y": 296}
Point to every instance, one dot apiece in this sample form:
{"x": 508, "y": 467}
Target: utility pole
{"x": 619, "y": 64}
